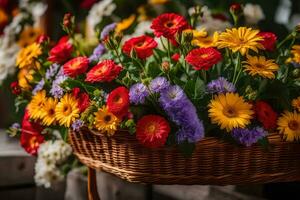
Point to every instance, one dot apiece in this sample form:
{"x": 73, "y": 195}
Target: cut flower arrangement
{"x": 169, "y": 88}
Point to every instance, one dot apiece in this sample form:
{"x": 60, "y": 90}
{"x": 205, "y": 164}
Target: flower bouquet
{"x": 178, "y": 105}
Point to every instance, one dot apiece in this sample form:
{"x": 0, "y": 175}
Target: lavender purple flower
{"x": 15, "y": 126}
{"x": 138, "y": 93}
{"x": 182, "y": 112}
{"x": 97, "y": 53}
{"x": 77, "y": 124}
{"x": 38, "y": 87}
{"x": 159, "y": 84}
{"x": 107, "y": 29}
{"x": 56, "y": 90}
{"x": 51, "y": 71}
{"x": 248, "y": 137}
{"x": 220, "y": 85}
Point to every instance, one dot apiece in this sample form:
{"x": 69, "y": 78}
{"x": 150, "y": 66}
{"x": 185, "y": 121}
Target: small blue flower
{"x": 77, "y": 124}
{"x": 107, "y": 29}
{"x": 97, "y": 53}
{"x": 38, "y": 87}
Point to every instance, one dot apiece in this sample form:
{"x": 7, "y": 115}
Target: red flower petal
{"x": 203, "y": 58}
{"x": 269, "y": 41}
{"x": 168, "y": 25}
{"x": 266, "y": 115}
{"x": 105, "y": 71}
{"x": 76, "y": 66}
{"x": 31, "y": 136}
{"x": 62, "y": 51}
{"x": 152, "y": 131}
{"x": 118, "y": 102}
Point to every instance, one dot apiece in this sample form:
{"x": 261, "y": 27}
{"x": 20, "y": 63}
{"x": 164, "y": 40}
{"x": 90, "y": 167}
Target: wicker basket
{"x": 214, "y": 162}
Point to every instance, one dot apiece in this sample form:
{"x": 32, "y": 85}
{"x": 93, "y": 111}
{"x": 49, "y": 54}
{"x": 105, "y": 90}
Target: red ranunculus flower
{"x": 62, "y": 51}
{"x": 104, "y": 71}
{"x": 269, "y": 40}
{"x": 266, "y": 115}
{"x": 43, "y": 39}
{"x": 118, "y": 102}
{"x": 152, "y": 131}
{"x": 15, "y": 88}
{"x": 142, "y": 45}
{"x": 31, "y": 136}
{"x": 168, "y": 25}
{"x": 203, "y": 58}
{"x": 76, "y": 66}
{"x": 83, "y": 99}
{"x": 175, "y": 57}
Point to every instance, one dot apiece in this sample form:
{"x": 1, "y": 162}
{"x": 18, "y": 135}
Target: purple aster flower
{"x": 248, "y": 137}
{"x": 51, "y": 71}
{"x": 138, "y": 93}
{"x": 172, "y": 97}
{"x": 56, "y": 90}
{"x": 296, "y": 65}
{"x": 38, "y": 87}
{"x": 107, "y": 29}
{"x": 97, "y": 53}
{"x": 77, "y": 124}
{"x": 182, "y": 112}
{"x": 220, "y": 85}
{"x": 159, "y": 84}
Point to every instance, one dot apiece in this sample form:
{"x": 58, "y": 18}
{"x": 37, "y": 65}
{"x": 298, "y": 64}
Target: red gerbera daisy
{"x": 76, "y": 66}
{"x": 142, "y": 45}
{"x": 152, "y": 131}
{"x": 104, "y": 71}
{"x": 266, "y": 115}
{"x": 269, "y": 40}
{"x": 83, "y": 99}
{"x": 118, "y": 102}
{"x": 62, "y": 51}
{"x": 203, "y": 58}
{"x": 168, "y": 25}
{"x": 31, "y": 136}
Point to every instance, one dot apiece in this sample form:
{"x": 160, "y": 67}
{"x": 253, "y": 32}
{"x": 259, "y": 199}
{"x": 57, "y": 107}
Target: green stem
{"x": 203, "y": 73}
{"x": 169, "y": 50}
{"x": 285, "y": 40}
{"x": 237, "y": 69}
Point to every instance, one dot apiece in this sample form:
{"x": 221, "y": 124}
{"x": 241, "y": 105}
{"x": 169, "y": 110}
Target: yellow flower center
{"x": 230, "y": 112}
{"x": 151, "y": 128}
{"x": 33, "y": 142}
{"x": 67, "y": 109}
{"x": 118, "y": 100}
{"x": 294, "y": 125}
{"x": 205, "y": 55}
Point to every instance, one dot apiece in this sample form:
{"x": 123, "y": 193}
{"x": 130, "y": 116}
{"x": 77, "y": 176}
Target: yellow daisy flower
{"x": 260, "y": 66}
{"x": 36, "y": 105}
{"x": 105, "y": 121}
{"x": 289, "y": 125}
{"x": 202, "y": 39}
{"x": 125, "y": 24}
{"x": 67, "y": 110}
{"x": 230, "y": 111}
{"x": 28, "y": 55}
{"x": 25, "y": 76}
{"x": 296, "y": 103}
{"x": 48, "y": 117}
{"x": 29, "y": 36}
{"x": 241, "y": 39}
{"x": 295, "y": 54}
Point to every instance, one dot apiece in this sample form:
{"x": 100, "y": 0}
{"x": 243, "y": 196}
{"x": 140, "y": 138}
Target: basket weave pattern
{"x": 213, "y": 162}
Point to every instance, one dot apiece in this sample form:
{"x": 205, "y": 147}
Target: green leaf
{"x": 264, "y": 142}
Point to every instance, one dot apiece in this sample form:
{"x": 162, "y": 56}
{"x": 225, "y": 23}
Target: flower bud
{"x": 165, "y": 65}
{"x": 235, "y": 9}
{"x": 43, "y": 39}
{"x": 15, "y": 88}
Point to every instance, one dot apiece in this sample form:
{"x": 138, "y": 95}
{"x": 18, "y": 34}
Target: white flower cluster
{"x": 253, "y": 13}
{"x": 141, "y": 29}
{"x": 8, "y": 46}
{"x": 210, "y": 23}
{"x": 51, "y": 154}
{"x": 97, "y": 12}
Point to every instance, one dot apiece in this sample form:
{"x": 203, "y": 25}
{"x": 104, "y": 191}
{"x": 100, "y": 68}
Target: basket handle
{"x": 92, "y": 185}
